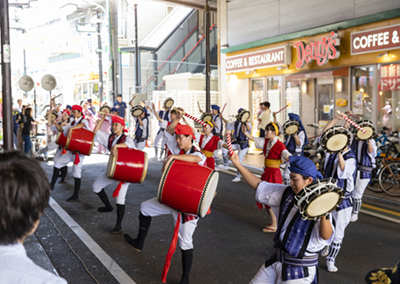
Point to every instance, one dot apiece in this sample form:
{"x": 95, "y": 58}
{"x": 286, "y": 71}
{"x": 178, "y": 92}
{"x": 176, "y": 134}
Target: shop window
{"x": 362, "y": 103}
{"x": 389, "y": 97}
{"x": 274, "y": 94}
{"x": 257, "y": 97}
{"x": 294, "y": 89}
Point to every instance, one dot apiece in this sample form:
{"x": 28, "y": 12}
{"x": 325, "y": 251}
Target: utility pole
{"x": 100, "y": 53}
{"x": 114, "y": 44}
{"x": 6, "y": 76}
{"x": 137, "y": 53}
{"x": 208, "y": 99}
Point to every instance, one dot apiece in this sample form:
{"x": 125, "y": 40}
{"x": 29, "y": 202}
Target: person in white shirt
{"x": 264, "y": 117}
{"x": 78, "y": 122}
{"x": 117, "y": 139}
{"x": 22, "y": 202}
{"x": 297, "y": 241}
{"x": 179, "y": 139}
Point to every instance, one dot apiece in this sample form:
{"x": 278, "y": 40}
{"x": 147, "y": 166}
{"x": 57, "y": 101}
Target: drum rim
{"x": 341, "y": 196}
{"x": 113, "y": 162}
{"x": 136, "y": 108}
{"x": 204, "y": 115}
{"x": 162, "y": 181}
{"x": 106, "y": 107}
{"x": 167, "y": 100}
{"x": 241, "y": 114}
{"x": 144, "y": 173}
{"x": 58, "y": 137}
{"x": 204, "y": 193}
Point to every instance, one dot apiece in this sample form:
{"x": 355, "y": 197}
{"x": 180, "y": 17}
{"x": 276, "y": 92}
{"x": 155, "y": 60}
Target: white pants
{"x": 273, "y": 275}
{"x": 103, "y": 181}
{"x": 67, "y": 158}
{"x": 342, "y": 219}
{"x": 160, "y": 136}
{"x": 360, "y": 186}
{"x": 52, "y": 145}
{"x": 242, "y": 153}
{"x": 153, "y": 207}
{"x": 139, "y": 145}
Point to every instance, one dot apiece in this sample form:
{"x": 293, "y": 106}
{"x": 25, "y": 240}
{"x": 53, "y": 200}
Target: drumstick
{"x": 132, "y": 99}
{"x": 352, "y": 122}
{"x": 281, "y": 109}
{"x": 228, "y": 141}
{"x": 223, "y": 108}
{"x": 191, "y": 117}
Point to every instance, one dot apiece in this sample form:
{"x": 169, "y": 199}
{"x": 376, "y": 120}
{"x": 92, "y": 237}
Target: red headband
{"x": 77, "y": 107}
{"x": 182, "y": 129}
{"x": 66, "y": 111}
{"x": 118, "y": 119}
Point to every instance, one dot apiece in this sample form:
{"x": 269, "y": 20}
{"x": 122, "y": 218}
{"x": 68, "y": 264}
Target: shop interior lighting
{"x": 380, "y": 93}
{"x": 362, "y": 90}
{"x": 383, "y": 54}
{"x": 339, "y": 85}
{"x": 304, "y": 87}
{"x": 284, "y": 67}
{"x": 254, "y": 71}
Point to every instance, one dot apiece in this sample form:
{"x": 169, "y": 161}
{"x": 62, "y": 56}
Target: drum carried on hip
{"x": 206, "y": 117}
{"x": 188, "y": 187}
{"x": 335, "y": 139}
{"x": 61, "y": 139}
{"x": 369, "y": 128}
{"x": 243, "y": 116}
{"x": 168, "y": 102}
{"x": 291, "y": 127}
{"x": 81, "y": 141}
{"x": 130, "y": 165}
{"x": 137, "y": 111}
{"x": 53, "y": 115}
{"x": 319, "y": 198}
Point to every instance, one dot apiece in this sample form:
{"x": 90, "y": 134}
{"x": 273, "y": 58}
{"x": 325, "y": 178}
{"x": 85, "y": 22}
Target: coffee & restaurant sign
{"x": 259, "y": 59}
{"x": 375, "y": 40}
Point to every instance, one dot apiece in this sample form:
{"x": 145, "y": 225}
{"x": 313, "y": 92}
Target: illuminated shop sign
{"x": 259, "y": 59}
{"x": 375, "y": 40}
{"x": 390, "y": 77}
{"x": 321, "y": 51}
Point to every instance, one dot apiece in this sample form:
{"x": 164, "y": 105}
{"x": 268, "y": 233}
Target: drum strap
{"x": 73, "y": 122}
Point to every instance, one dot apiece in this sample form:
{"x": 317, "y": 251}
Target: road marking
{"x": 380, "y": 216}
{"x": 104, "y": 258}
{"x": 381, "y": 209}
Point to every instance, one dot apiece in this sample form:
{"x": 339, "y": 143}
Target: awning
{"x": 338, "y": 72}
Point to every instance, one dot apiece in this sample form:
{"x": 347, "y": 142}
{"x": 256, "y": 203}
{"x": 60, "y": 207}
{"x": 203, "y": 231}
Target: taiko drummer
{"x": 297, "y": 241}
{"x": 342, "y": 166}
{"x": 78, "y": 122}
{"x": 179, "y": 139}
{"x": 117, "y": 139}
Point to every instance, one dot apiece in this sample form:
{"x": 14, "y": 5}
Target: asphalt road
{"x": 229, "y": 244}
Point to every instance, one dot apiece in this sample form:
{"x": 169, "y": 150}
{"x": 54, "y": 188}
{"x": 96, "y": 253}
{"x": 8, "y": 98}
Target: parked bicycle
{"x": 389, "y": 176}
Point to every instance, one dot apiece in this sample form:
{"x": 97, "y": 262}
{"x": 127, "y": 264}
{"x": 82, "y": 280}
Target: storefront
{"x": 356, "y": 68}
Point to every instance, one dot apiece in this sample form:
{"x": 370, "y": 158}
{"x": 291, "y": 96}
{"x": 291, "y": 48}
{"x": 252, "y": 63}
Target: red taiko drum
{"x": 81, "y": 141}
{"x": 61, "y": 139}
{"x": 130, "y": 165}
{"x": 188, "y": 187}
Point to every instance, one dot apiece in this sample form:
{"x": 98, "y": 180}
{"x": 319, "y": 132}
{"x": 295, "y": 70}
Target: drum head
{"x": 206, "y": 117}
{"x": 168, "y": 103}
{"x": 244, "y": 115}
{"x": 337, "y": 143}
{"x": 365, "y": 136}
{"x": 322, "y": 205}
{"x": 292, "y": 129}
{"x": 105, "y": 109}
{"x": 208, "y": 194}
{"x": 137, "y": 111}
{"x": 112, "y": 160}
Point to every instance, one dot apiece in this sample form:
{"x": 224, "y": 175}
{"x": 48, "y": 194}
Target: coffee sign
{"x": 375, "y": 40}
{"x": 260, "y": 59}
{"x": 321, "y": 51}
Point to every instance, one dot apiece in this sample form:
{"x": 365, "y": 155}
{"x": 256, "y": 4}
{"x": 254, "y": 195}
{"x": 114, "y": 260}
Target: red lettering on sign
{"x": 321, "y": 51}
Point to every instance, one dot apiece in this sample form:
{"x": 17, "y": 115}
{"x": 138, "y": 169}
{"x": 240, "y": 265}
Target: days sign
{"x": 375, "y": 40}
{"x": 259, "y": 59}
{"x": 321, "y": 51}
{"x": 390, "y": 77}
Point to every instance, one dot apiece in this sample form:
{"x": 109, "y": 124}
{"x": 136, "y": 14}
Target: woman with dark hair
{"x": 27, "y": 121}
{"x": 22, "y": 202}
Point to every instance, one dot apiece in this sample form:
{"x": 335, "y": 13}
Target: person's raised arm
{"x": 251, "y": 179}
{"x": 332, "y": 123}
{"x": 325, "y": 228}
{"x": 174, "y": 123}
{"x": 275, "y": 119}
{"x": 199, "y": 107}
{"x": 223, "y": 118}
{"x": 156, "y": 114}
{"x": 248, "y": 135}
{"x": 99, "y": 123}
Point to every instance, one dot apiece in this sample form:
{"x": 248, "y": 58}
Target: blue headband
{"x": 304, "y": 166}
{"x": 215, "y": 107}
{"x": 293, "y": 116}
{"x": 113, "y": 109}
{"x": 239, "y": 110}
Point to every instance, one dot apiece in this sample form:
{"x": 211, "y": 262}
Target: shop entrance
{"x": 325, "y": 101}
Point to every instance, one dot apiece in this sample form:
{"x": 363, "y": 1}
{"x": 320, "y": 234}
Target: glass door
{"x": 257, "y": 97}
{"x": 325, "y": 101}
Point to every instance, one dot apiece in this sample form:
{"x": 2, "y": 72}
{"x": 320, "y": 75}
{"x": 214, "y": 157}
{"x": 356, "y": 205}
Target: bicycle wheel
{"x": 392, "y": 151}
{"x": 389, "y": 179}
{"x": 373, "y": 185}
